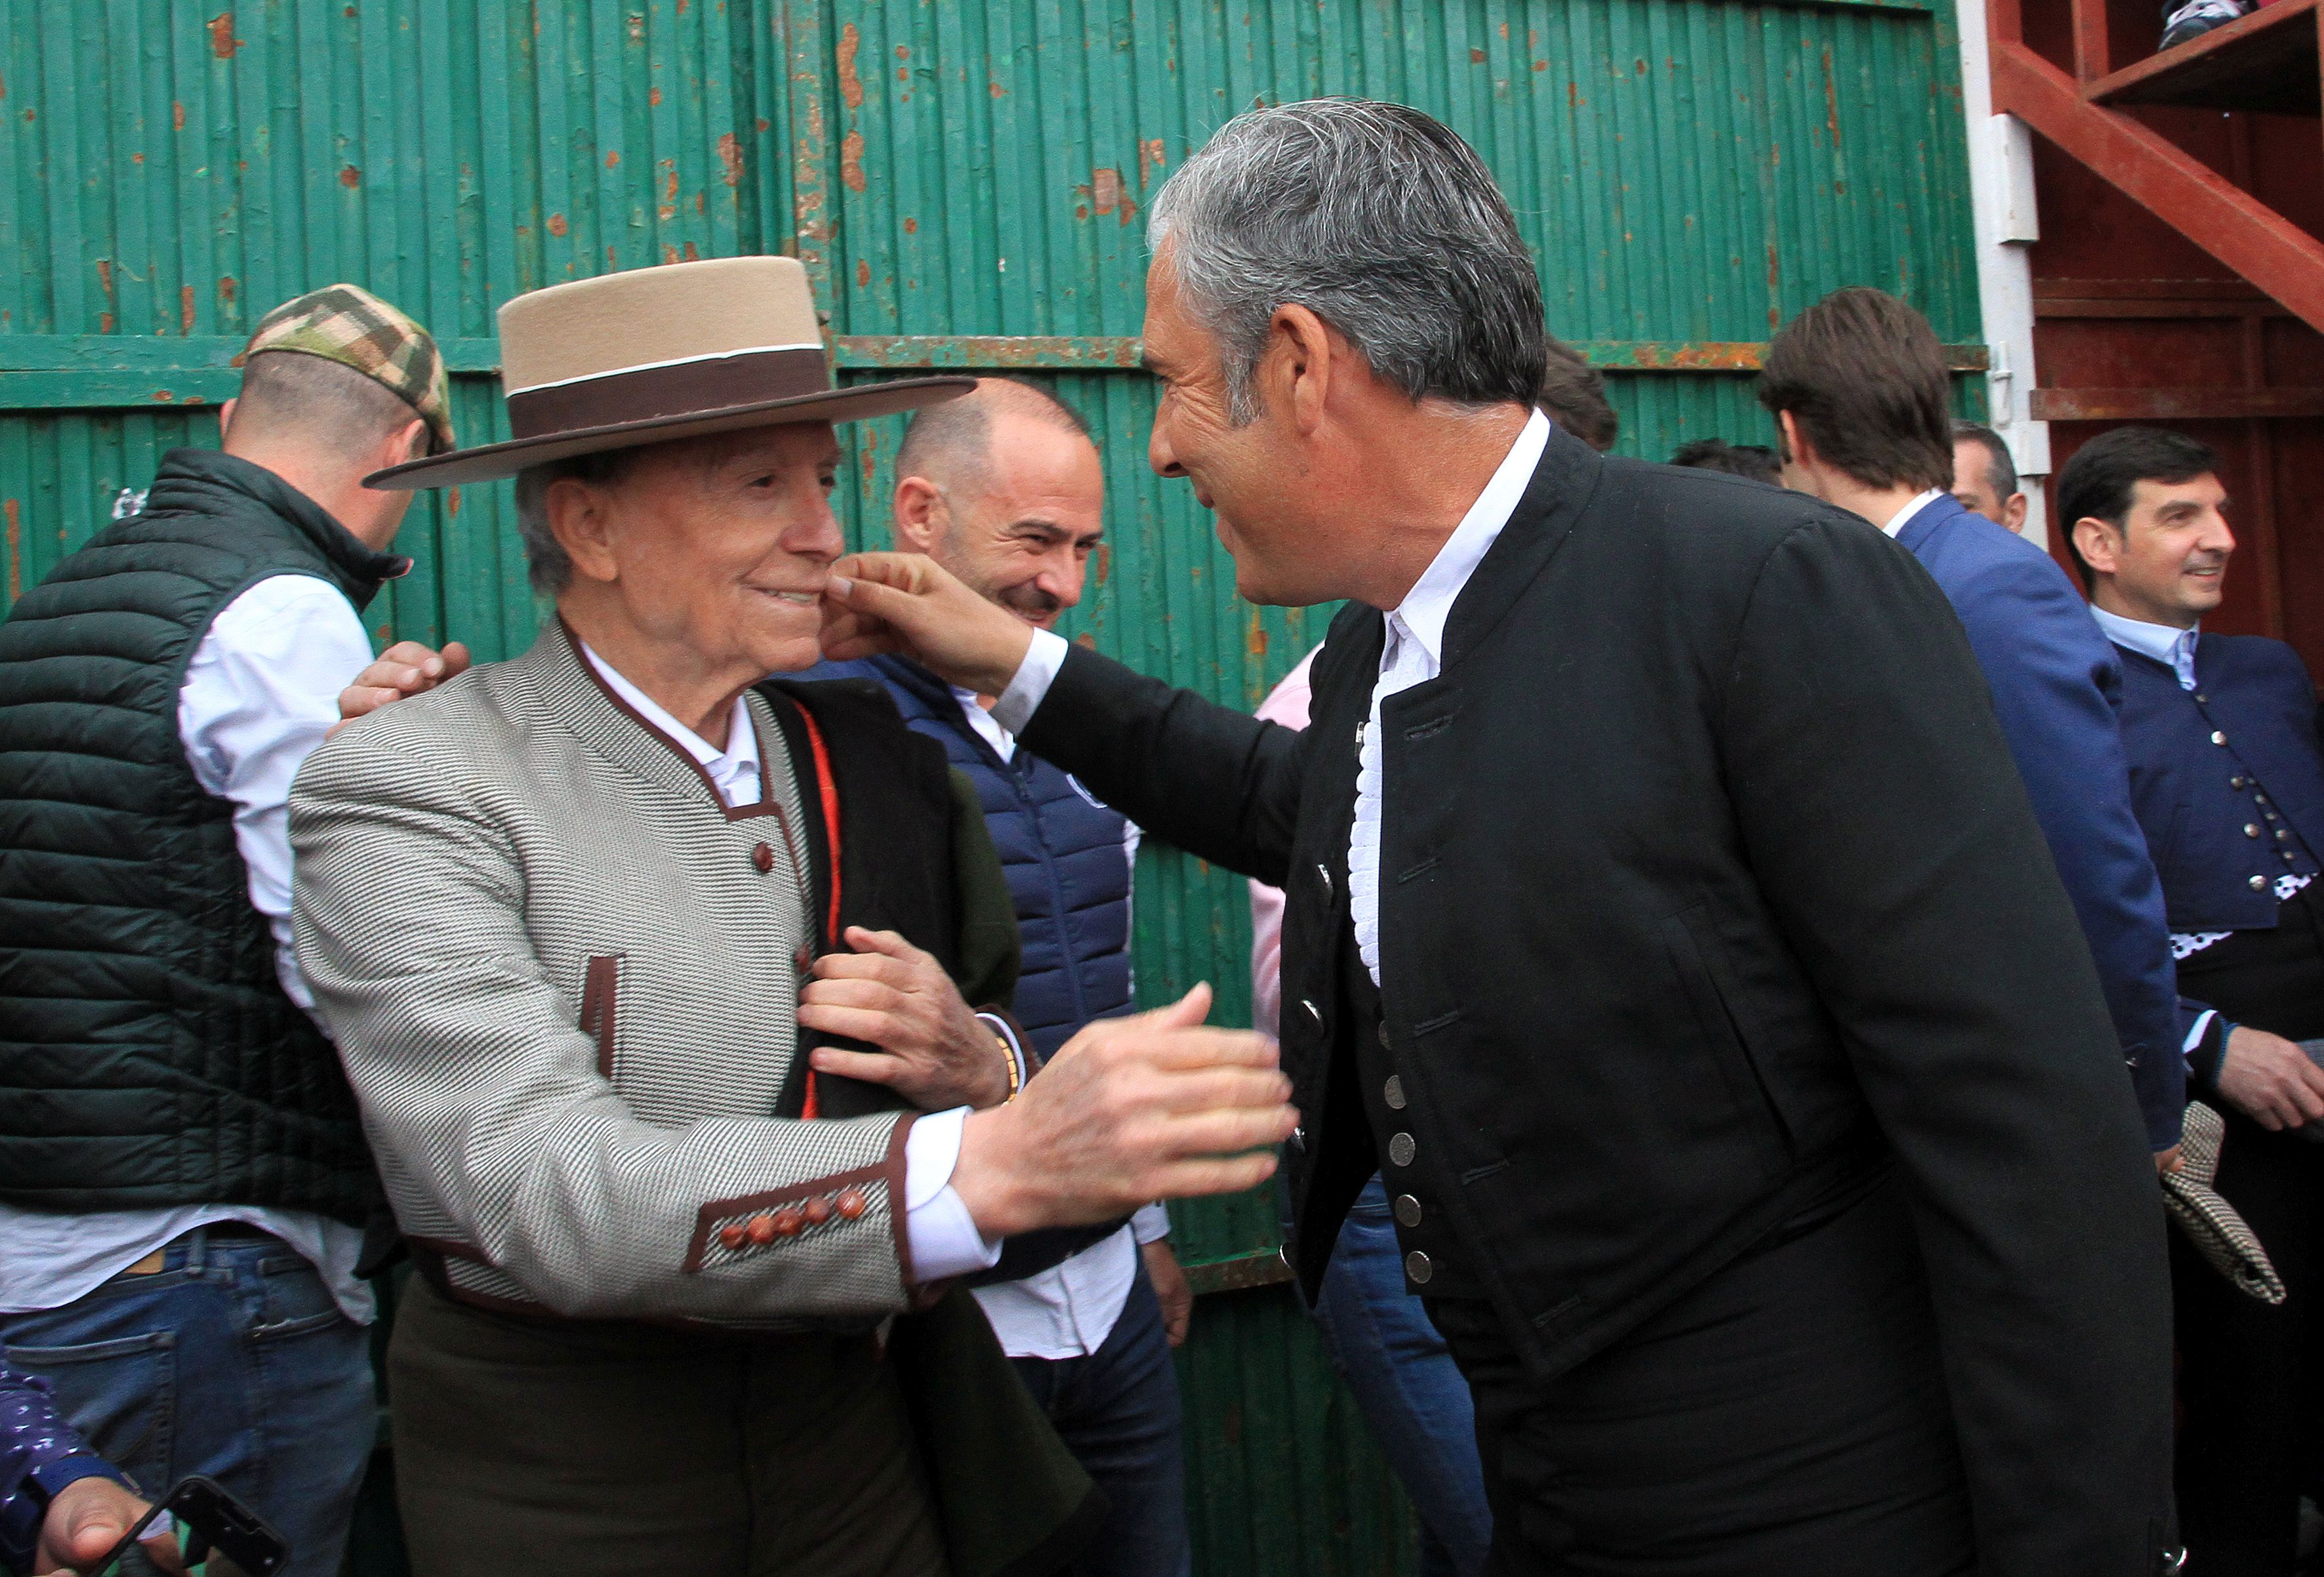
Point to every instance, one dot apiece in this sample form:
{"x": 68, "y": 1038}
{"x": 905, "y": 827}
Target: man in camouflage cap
{"x": 184, "y": 1186}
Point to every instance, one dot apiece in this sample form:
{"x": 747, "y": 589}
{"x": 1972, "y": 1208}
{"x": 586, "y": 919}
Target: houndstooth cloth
{"x": 483, "y": 870}
{"x": 2216, "y": 1228}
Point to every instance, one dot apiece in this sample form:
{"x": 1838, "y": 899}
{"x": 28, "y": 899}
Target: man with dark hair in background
{"x": 184, "y": 1183}
{"x": 2227, "y": 772}
{"x": 1858, "y": 389}
{"x": 1574, "y": 394}
{"x": 1004, "y": 488}
{"x": 1667, "y": 928}
{"x": 1985, "y": 476}
{"x": 1752, "y": 462}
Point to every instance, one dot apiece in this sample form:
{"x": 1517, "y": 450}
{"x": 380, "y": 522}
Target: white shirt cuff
{"x": 943, "y": 1236}
{"x": 1024, "y": 695}
{"x": 2195, "y": 1037}
{"x": 1151, "y": 1225}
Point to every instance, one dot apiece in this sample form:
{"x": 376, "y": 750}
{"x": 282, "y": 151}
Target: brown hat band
{"x": 674, "y": 389}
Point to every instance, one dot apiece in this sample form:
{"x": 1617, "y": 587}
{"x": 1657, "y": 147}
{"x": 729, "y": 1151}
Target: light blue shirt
{"x": 2165, "y": 643}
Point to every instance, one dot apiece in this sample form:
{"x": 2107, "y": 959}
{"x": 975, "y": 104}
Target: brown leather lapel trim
{"x": 767, "y": 805}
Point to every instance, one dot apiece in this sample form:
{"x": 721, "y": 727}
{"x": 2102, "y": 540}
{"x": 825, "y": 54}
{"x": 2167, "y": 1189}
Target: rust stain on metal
{"x": 1774, "y": 286}
{"x": 863, "y": 272}
{"x": 556, "y": 225}
{"x": 668, "y": 253}
{"x": 185, "y": 309}
{"x": 653, "y": 97}
{"x": 1255, "y": 642}
{"x": 692, "y": 255}
{"x": 851, "y": 161}
{"x": 912, "y": 225}
{"x": 350, "y": 177}
{"x": 16, "y": 548}
{"x": 730, "y": 156}
{"x": 452, "y": 503}
{"x": 226, "y": 289}
{"x": 222, "y": 44}
{"x": 1104, "y": 558}
{"x": 1150, "y": 157}
{"x": 1541, "y": 65}
{"x": 612, "y": 157}
{"x": 1476, "y": 57}
{"x": 176, "y": 115}
{"x": 868, "y": 455}
{"x": 1831, "y": 101}
{"x": 163, "y": 396}
{"x": 1105, "y": 189}
{"x": 995, "y": 90}
{"x": 851, "y": 85}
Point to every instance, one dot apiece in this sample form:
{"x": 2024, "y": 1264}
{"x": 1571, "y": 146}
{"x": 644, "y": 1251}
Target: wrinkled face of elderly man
{"x": 707, "y": 554}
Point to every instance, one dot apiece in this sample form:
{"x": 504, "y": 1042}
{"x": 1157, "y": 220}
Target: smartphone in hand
{"x": 220, "y": 1536}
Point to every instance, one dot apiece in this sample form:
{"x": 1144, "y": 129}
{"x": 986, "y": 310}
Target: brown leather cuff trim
{"x": 892, "y": 1167}
{"x": 706, "y": 1220}
{"x": 1034, "y": 1061}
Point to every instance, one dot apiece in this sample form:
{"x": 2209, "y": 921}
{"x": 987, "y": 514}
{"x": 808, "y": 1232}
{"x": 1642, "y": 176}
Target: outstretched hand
{"x": 405, "y": 668}
{"x": 1159, "y": 1106}
{"x": 85, "y": 1519}
{"x": 911, "y": 604}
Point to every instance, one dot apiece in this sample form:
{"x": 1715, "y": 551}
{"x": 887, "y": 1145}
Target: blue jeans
{"x": 1404, "y": 1383}
{"x": 1117, "y": 1411}
{"x": 231, "y": 1360}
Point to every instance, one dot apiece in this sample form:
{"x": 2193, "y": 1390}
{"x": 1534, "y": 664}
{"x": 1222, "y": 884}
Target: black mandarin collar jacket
{"x": 1704, "y": 869}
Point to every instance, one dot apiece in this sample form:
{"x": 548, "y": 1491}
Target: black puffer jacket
{"x": 148, "y": 1055}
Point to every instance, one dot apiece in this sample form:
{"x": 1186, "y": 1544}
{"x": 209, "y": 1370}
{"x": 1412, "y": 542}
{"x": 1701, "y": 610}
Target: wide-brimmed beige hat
{"x": 655, "y": 354}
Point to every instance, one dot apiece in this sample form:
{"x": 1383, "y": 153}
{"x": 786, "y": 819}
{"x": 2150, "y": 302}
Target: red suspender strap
{"x": 828, "y": 788}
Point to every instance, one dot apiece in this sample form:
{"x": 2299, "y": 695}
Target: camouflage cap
{"x": 352, "y": 326}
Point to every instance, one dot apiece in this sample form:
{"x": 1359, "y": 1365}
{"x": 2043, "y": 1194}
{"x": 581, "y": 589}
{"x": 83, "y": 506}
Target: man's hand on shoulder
{"x": 935, "y": 1051}
{"x": 405, "y": 669}
{"x": 1159, "y": 1106}
{"x": 2269, "y": 1080}
{"x": 903, "y": 602}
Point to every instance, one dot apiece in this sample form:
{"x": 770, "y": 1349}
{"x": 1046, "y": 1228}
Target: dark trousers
{"x": 1117, "y": 1411}
{"x": 1787, "y": 1417}
{"x": 2251, "y": 1379}
{"x": 537, "y": 1448}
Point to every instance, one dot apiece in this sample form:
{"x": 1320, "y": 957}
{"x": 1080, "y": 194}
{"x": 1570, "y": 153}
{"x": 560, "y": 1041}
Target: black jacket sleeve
{"x": 1217, "y": 783}
{"x": 1890, "y": 833}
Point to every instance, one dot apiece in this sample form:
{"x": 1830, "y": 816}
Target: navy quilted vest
{"x": 1062, "y": 852}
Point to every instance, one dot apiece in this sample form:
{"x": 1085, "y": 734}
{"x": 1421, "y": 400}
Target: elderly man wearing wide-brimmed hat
{"x": 576, "y": 917}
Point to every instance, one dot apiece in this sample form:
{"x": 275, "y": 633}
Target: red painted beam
{"x": 2259, "y": 244}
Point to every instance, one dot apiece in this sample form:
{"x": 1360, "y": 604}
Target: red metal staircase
{"x": 2268, "y": 63}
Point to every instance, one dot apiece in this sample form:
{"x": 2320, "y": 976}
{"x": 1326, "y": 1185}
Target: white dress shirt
{"x": 1068, "y": 1309}
{"x": 260, "y": 691}
{"x": 2167, "y": 644}
{"x": 944, "y": 1237}
{"x": 1414, "y": 654}
{"x": 1904, "y": 517}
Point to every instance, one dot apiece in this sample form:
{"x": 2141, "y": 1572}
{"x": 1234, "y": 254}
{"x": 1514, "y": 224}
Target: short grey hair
{"x": 546, "y": 565}
{"x": 1377, "y": 219}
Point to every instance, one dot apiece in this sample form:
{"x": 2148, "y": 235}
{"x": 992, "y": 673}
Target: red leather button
{"x": 852, "y": 1202}
{"x": 763, "y": 1230}
{"x": 818, "y": 1210}
{"x": 732, "y": 1236}
{"x": 763, "y": 857}
{"x": 789, "y": 1221}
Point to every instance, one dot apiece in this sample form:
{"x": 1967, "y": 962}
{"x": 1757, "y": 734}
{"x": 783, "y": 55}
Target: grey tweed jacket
{"x": 562, "y": 975}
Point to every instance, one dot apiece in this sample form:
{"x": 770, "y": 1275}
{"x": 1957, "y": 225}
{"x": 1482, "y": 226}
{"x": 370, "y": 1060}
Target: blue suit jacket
{"x": 2195, "y": 797}
{"x": 2056, "y": 685}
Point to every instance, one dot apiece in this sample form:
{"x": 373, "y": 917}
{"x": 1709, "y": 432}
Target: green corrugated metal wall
{"x": 968, "y": 183}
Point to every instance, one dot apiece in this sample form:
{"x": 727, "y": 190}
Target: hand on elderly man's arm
{"x": 1129, "y": 1110}
{"x": 903, "y": 602}
{"x": 932, "y": 1049}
